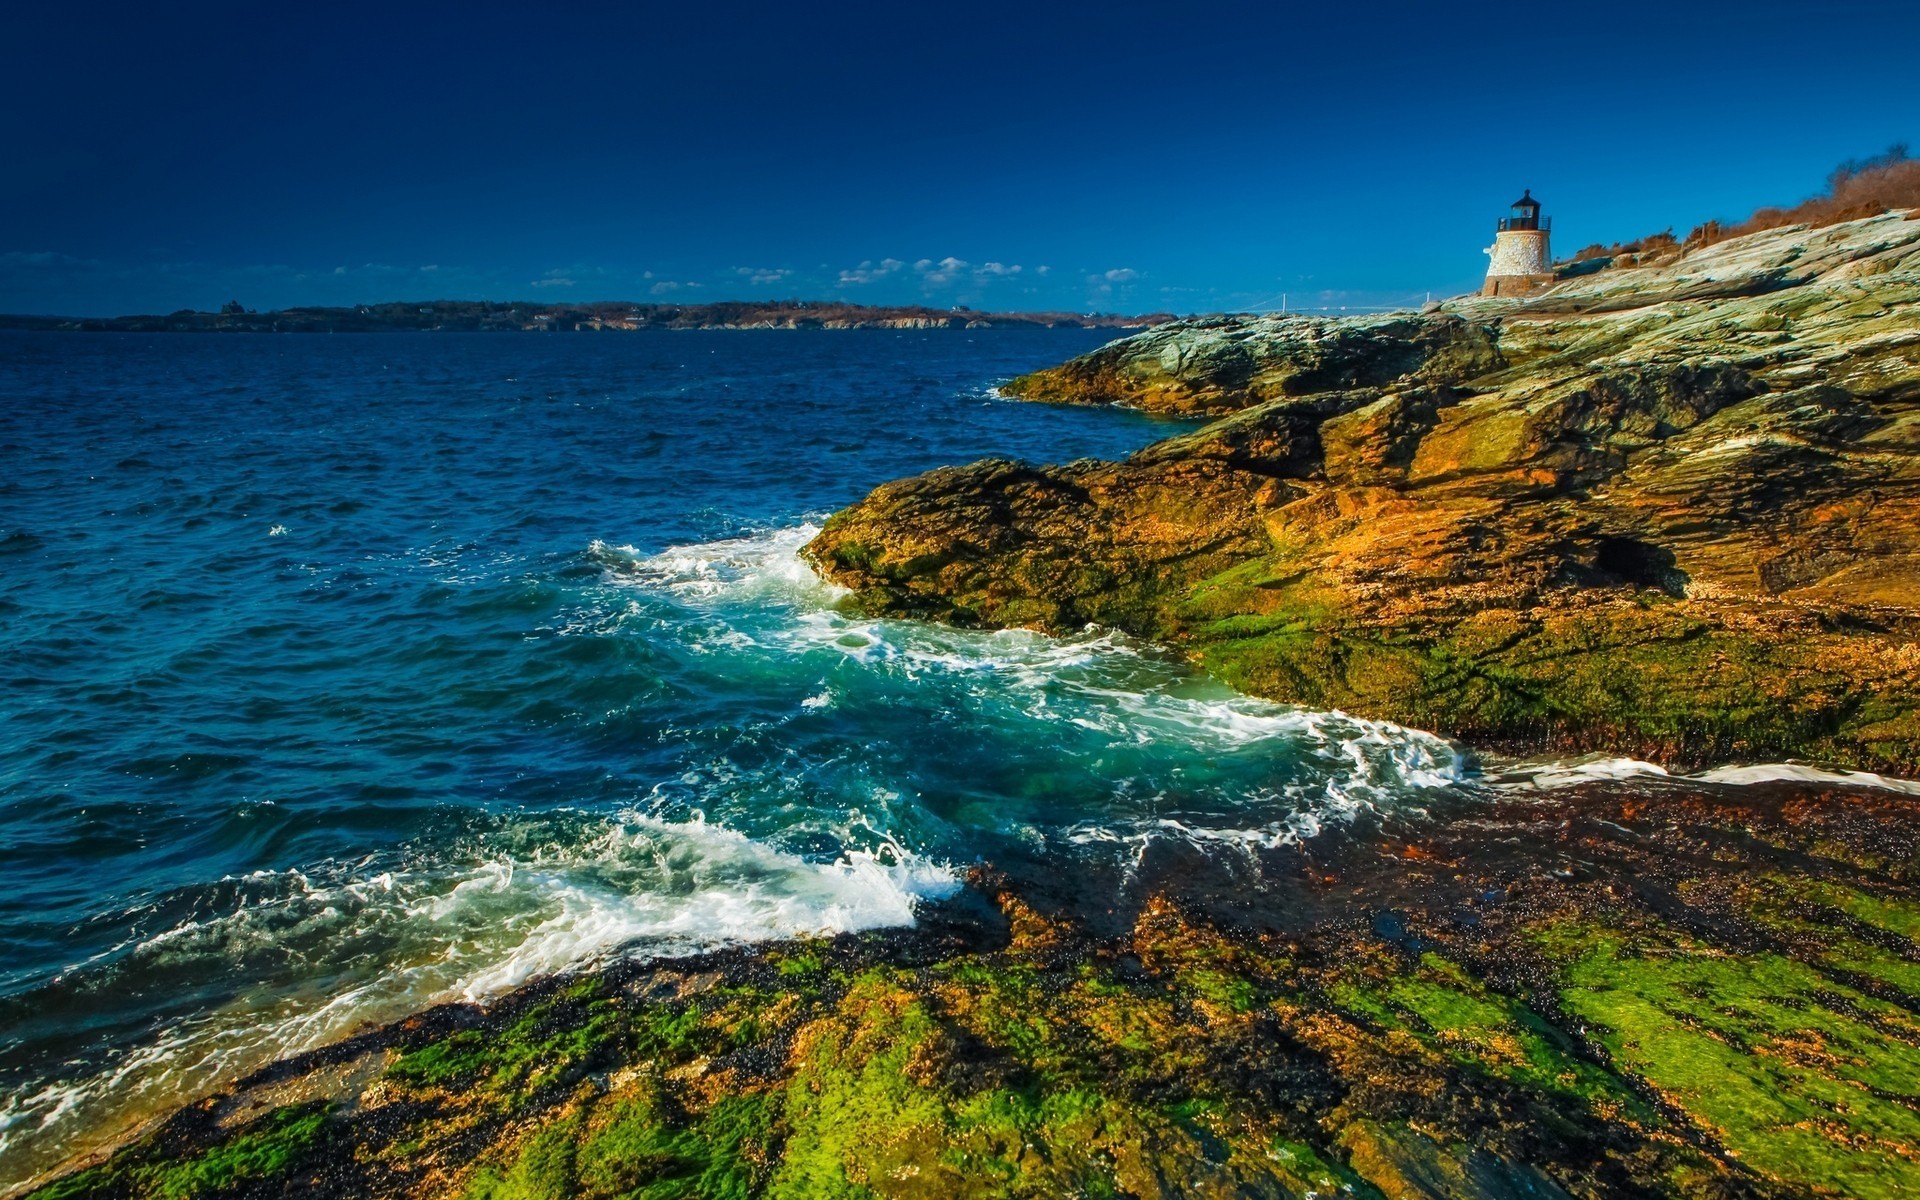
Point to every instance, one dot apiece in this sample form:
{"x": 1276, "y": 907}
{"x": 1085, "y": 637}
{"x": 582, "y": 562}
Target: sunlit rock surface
{"x": 1672, "y": 511}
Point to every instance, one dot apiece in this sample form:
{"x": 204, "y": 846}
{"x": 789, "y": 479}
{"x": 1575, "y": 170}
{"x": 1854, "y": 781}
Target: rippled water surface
{"x": 342, "y": 675}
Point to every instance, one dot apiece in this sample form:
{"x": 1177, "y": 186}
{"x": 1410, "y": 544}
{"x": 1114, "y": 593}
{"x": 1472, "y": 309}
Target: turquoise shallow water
{"x": 343, "y": 675}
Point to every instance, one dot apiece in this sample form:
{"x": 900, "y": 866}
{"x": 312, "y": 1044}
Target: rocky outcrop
{"x": 1671, "y": 511}
{"x": 1220, "y": 364}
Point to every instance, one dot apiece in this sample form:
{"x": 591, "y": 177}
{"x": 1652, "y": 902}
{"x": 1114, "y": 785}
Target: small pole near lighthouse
{"x": 1520, "y": 260}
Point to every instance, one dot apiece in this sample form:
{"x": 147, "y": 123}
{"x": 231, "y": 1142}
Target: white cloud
{"x": 1102, "y": 285}
{"x": 571, "y": 275}
{"x": 870, "y": 271}
{"x": 939, "y": 274}
{"x": 934, "y": 274}
{"x": 763, "y": 275}
{"x": 666, "y": 286}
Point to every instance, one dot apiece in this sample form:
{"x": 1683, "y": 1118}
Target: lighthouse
{"x": 1520, "y": 258}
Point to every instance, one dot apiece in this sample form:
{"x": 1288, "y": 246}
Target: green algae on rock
{"x": 188, "y": 1159}
{"x": 1671, "y": 511}
{"x": 1660, "y": 989}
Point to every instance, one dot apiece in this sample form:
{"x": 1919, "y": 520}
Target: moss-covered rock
{"x": 188, "y": 1160}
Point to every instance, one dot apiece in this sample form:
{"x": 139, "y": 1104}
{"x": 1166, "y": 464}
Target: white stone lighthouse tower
{"x": 1521, "y": 258}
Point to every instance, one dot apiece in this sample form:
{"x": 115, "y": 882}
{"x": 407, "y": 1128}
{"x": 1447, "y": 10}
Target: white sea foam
{"x": 1796, "y": 773}
{"x": 1364, "y": 767}
{"x": 1103, "y": 681}
{"x": 765, "y": 564}
{"x": 720, "y": 887}
{"x": 1568, "y": 773}
{"x": 377, "y": 947}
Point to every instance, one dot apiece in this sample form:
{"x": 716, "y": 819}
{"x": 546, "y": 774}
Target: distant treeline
{"x": 482, "y": 316}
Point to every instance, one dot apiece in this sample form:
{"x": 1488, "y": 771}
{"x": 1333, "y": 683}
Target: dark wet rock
{"x": 1407, "y": 1165}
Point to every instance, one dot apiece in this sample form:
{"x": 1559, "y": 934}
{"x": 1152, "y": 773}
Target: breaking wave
{"x": 331, "y": 948}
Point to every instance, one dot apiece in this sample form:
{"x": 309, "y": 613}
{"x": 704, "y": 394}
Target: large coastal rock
{"x": 1669, "y": 511}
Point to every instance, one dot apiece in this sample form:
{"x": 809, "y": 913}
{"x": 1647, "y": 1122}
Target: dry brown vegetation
{"x": 1864, "y": 187}
{"x": 1655, "y": 246}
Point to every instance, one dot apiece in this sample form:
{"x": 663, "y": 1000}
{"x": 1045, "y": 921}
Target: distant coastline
{"x": 484, "y": 316}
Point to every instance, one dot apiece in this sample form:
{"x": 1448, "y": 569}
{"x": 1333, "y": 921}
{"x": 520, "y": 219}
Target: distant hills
{"x": 483, "y": 316}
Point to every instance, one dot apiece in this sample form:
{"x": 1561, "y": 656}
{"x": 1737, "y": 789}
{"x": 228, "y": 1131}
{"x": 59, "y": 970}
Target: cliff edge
{"x": 1671, "y": 511}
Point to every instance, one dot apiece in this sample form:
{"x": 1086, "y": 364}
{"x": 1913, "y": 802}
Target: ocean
{"x": 345, "y": 675}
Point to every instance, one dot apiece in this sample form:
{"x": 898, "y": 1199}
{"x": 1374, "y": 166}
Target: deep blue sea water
{"x": 344, "y": 675}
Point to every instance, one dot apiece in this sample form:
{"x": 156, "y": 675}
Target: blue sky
{"x": 1006, "y": 156}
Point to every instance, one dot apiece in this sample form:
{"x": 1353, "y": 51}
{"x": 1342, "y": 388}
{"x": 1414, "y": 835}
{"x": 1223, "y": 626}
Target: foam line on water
{"x": 1104, "y": 680}
{"x": 1798, "y": 773}
{"x": 1560, "y": 773}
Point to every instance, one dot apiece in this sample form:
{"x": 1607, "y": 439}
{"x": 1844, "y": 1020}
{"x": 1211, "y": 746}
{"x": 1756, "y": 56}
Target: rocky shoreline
{"x": 1665, "y": 511}
{"x": 1654, "y": 988}
{"x": 1671, "y": 511}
